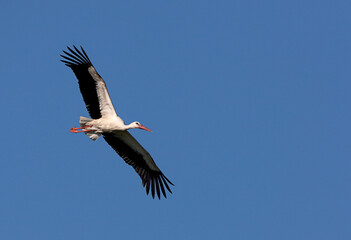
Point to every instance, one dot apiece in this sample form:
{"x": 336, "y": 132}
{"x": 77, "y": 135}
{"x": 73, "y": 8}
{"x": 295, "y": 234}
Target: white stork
{"x": 106, "y": 122}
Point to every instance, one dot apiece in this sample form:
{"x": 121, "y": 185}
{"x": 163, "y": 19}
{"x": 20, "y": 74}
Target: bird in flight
{"x": 105, "y": 121}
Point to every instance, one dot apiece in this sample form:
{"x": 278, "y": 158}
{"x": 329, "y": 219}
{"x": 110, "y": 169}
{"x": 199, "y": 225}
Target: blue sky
{"x": 249, "y": 103}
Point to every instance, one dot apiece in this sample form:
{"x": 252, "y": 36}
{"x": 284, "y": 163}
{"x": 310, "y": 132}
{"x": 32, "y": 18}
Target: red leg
{"x": 75, "y": 130}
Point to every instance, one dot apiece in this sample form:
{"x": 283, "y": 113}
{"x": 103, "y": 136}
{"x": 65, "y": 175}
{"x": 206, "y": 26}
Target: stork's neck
{"x": 137, "y": 125}
{"x": 130, "y": 126}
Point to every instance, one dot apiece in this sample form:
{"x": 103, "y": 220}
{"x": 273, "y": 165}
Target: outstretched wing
{"x": 91, "y": 84}
{"x": 136, "y": 156}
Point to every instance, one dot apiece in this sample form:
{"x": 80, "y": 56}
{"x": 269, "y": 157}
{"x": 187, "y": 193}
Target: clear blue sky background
{"x": 249, "y": 103}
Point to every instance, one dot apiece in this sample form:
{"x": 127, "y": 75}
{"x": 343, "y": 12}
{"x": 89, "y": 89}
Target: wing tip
{"x": 157, "y": 184}
{"x": 75, "y": 57}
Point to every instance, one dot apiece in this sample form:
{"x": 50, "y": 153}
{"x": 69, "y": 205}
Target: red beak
{"x": 145, "y": 128}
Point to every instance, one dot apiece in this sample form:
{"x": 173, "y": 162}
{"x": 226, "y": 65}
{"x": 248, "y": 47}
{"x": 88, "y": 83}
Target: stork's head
{"x": 138, "y": 125}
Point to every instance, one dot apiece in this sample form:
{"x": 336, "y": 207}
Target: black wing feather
{"x": 77, "y": 53}
{"x": 161, "y": 185}
{"x": 79, "y": 62}
{"x": 85, "y": 54}
{"x": 72, "y": 60}
{"x": 149, "y": 177}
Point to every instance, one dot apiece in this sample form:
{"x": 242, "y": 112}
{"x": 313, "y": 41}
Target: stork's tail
{"x": 84, "y": 121}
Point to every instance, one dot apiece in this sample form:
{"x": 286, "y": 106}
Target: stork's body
{"x": 106, "y": 122}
